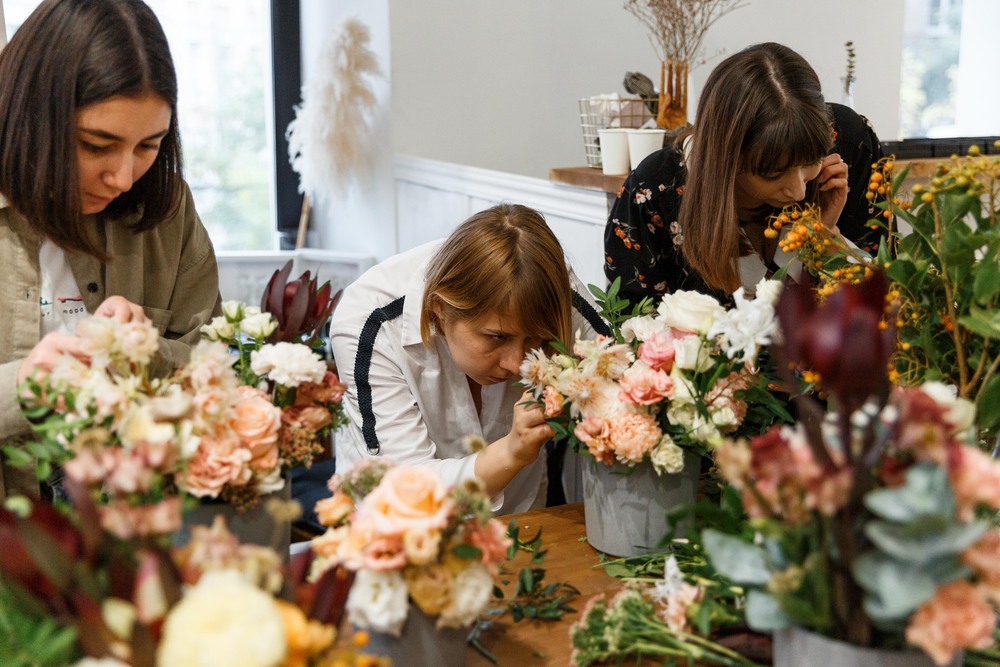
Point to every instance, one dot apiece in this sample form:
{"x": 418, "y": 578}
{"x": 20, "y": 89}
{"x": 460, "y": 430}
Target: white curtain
{"x": 3, "y": 27}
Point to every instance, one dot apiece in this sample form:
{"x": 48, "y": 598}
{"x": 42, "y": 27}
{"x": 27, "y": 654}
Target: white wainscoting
{"x": 434, "y": 197}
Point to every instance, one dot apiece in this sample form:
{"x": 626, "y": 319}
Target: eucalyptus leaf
{"x": 905, "y": 544}
{"x": 764, "y": 614}
{"x": 894, "y": 589}
{"x": 926, "y": 492}
{"x": 735, "y": 559}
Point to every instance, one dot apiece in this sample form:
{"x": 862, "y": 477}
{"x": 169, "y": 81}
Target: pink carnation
{"x": 984, "y": 558}
{"x": 657, "y": 351}
{"x": 956, "y": 617}
{"x": 595, "y": 433}
{"x": 492, "y": 540}
{"x": 553, "y": 401}
{"x": 633, "y": 435}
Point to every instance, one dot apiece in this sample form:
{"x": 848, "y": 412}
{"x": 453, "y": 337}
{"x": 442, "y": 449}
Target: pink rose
{"x": 956, "y": 617}
{"x": 384, "y": 553}
{"x": 408, "y": 498}
{"x": 984, "y": 558}
{"x": 633, "y": 435}
{"x": 256, "y": 421}
{"x": 642, "y": 385}
{"x": 595, "y": 433}
{"x": 975, "y": 478}
{"x": 220, "y": 460}
{"x": 658, "y": 351}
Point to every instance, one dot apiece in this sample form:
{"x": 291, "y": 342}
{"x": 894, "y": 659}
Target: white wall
{"x": 494, "y": 84}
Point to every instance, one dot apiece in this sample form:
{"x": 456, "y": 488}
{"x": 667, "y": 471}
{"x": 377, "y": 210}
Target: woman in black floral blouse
{"x": 692, "y": 216}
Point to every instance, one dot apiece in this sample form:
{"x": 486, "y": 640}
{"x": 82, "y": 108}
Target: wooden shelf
{"x": 589, "y": 178}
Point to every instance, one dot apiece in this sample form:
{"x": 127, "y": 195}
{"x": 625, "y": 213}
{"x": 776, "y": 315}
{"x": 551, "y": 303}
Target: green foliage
{"x": 29, "y": 636}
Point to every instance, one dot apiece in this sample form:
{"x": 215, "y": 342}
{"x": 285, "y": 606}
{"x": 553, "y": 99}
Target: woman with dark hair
{"x": 692, "y": 216}
{"x": 95, "y": 218}
{"x": 444, "y": 329}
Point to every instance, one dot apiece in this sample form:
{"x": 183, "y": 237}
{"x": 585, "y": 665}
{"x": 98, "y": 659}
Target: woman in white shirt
{"x": 430, "y": 343}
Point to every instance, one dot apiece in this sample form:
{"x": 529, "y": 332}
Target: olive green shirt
{"x": 169, "y": 270}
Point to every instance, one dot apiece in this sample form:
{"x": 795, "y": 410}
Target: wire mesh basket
{"x": 600, "y": 112}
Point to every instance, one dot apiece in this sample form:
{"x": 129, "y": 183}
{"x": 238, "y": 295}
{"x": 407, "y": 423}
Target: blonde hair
{"x": 761, "y": 112}
{"x": 503, "y": 261}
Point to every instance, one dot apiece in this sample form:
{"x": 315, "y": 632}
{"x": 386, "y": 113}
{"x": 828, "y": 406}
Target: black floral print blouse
{"x": 643, "y": 242}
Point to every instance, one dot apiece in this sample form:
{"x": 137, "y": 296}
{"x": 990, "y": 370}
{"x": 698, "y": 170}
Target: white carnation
{"x": 769, "y": 290}
{"x": 641, "y": 328}
{"x": 471, "y": 592}
{"x": 288, "y": 364}
{"x": 378, "y": 601}
{"x": 223, "y": 621}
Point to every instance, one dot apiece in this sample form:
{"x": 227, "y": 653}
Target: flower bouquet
{"x": 73, "y": 593}
{"x": 655, "y": 396}
{"x": 943, "y": 271}
{"x": 869, "y": 518}
{"x": 411, "y": 543}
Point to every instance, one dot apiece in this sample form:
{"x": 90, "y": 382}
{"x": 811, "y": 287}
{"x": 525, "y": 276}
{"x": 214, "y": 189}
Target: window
{"x": 234, "y": 161}
{"x": 949, "y": 51}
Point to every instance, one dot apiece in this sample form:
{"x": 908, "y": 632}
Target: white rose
{"x": 271, "y": 482}
{"x": 691, "y": 353}
{"x": 641, "y": 328}
{"x": 378, "y": 601}
{"x": 223, "y": 621}
{"x": 232, "y": 310}
{"x": 689, "y": 311}
{"x": 667, "y": 457}
{"x": 259, "y": 325}
{"x": 471, "y": 592}
{"x": 219, "y": 329}
{"x": 288, "y": 364}
{"x": 961, "y": 411}
{"x": 724, "y": 417}
{"x": 139, "y": 424}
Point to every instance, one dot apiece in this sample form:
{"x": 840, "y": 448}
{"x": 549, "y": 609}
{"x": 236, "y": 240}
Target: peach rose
{"x": 984, "y": 558}
{"x": 220, "y": 460}
{"x": 975, "y": 478}
{"x": 956, "y": 617}
{"x": 633, "y": 435}
{"x": 256, "y": 421}
{"x": 408, "y": 499}
{"x": 310, "y": 418}
{"x": 642, "y": 385}
{"x": 334, "y": 510}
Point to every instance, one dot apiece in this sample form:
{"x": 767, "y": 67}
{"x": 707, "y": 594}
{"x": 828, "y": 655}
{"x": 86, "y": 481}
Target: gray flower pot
{"x": 421, "y": 643}
{"x": 795, "y": 647}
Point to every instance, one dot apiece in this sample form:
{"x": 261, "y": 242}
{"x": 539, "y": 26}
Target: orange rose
{"x": 408, "y": 499}
{"x": 256, "y": 421}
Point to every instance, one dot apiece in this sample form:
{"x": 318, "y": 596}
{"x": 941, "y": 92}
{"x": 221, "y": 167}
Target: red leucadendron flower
{"x": 300, "y": 307}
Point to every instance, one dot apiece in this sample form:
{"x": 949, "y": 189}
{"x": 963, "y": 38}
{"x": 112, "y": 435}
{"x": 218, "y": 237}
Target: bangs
{"x": 530, "y": 309}
{"x": 789, "y": 138}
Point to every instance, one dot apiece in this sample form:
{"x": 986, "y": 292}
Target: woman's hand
{"x": 502, "y": 460}
{"x": 46, "y": 354}
{"x": 832, "y": 190}
{"x": 121, "y": 309}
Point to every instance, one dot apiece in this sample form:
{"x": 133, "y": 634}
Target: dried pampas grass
{"x": 329, "y": 142}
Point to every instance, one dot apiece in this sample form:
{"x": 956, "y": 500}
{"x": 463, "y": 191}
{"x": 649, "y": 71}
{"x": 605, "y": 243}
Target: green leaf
{"x": 17, "y": 457}
{"x": 926, "y": 492}
{"x": 986, "y": 283}
{"x": 907, "y": 543}
{"x": 989, "y": 405}
{"x": 764, "y": 614}
{"x": 895, "y": 589}
{"x": 982, "y": 322}
{"x": 735, "y": 559}
{"x": 467, "y": 551}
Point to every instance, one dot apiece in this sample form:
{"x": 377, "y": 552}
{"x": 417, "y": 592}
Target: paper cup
{"x": 643, "y": 142}
{"x": 614, "y": 151}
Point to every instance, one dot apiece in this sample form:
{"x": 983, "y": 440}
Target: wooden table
{"x": 568, "y": 559}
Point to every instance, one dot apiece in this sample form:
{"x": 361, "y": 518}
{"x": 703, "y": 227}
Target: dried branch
{"x": 677, "y": 27}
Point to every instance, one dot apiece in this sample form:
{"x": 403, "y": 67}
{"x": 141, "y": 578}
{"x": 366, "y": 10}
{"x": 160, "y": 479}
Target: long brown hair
{"x": 67, "y": 55}
{"x": 761, "y": 112}
{"x": 503, "y": 261}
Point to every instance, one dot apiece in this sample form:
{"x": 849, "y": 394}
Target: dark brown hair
{"x": 761, "y": 112}
{"x": 503, "y": 261}
{"x": 67, "y": 55}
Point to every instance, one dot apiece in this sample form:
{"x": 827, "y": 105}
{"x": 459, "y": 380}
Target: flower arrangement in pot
{"x": 869, "y": 516}
{"x": 222, "y": 427}
{"x": 423, "y": 556}
{"x": 652, "y": 398}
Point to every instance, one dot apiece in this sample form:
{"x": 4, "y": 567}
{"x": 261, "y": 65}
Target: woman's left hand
{"x": 832, "y": 185}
